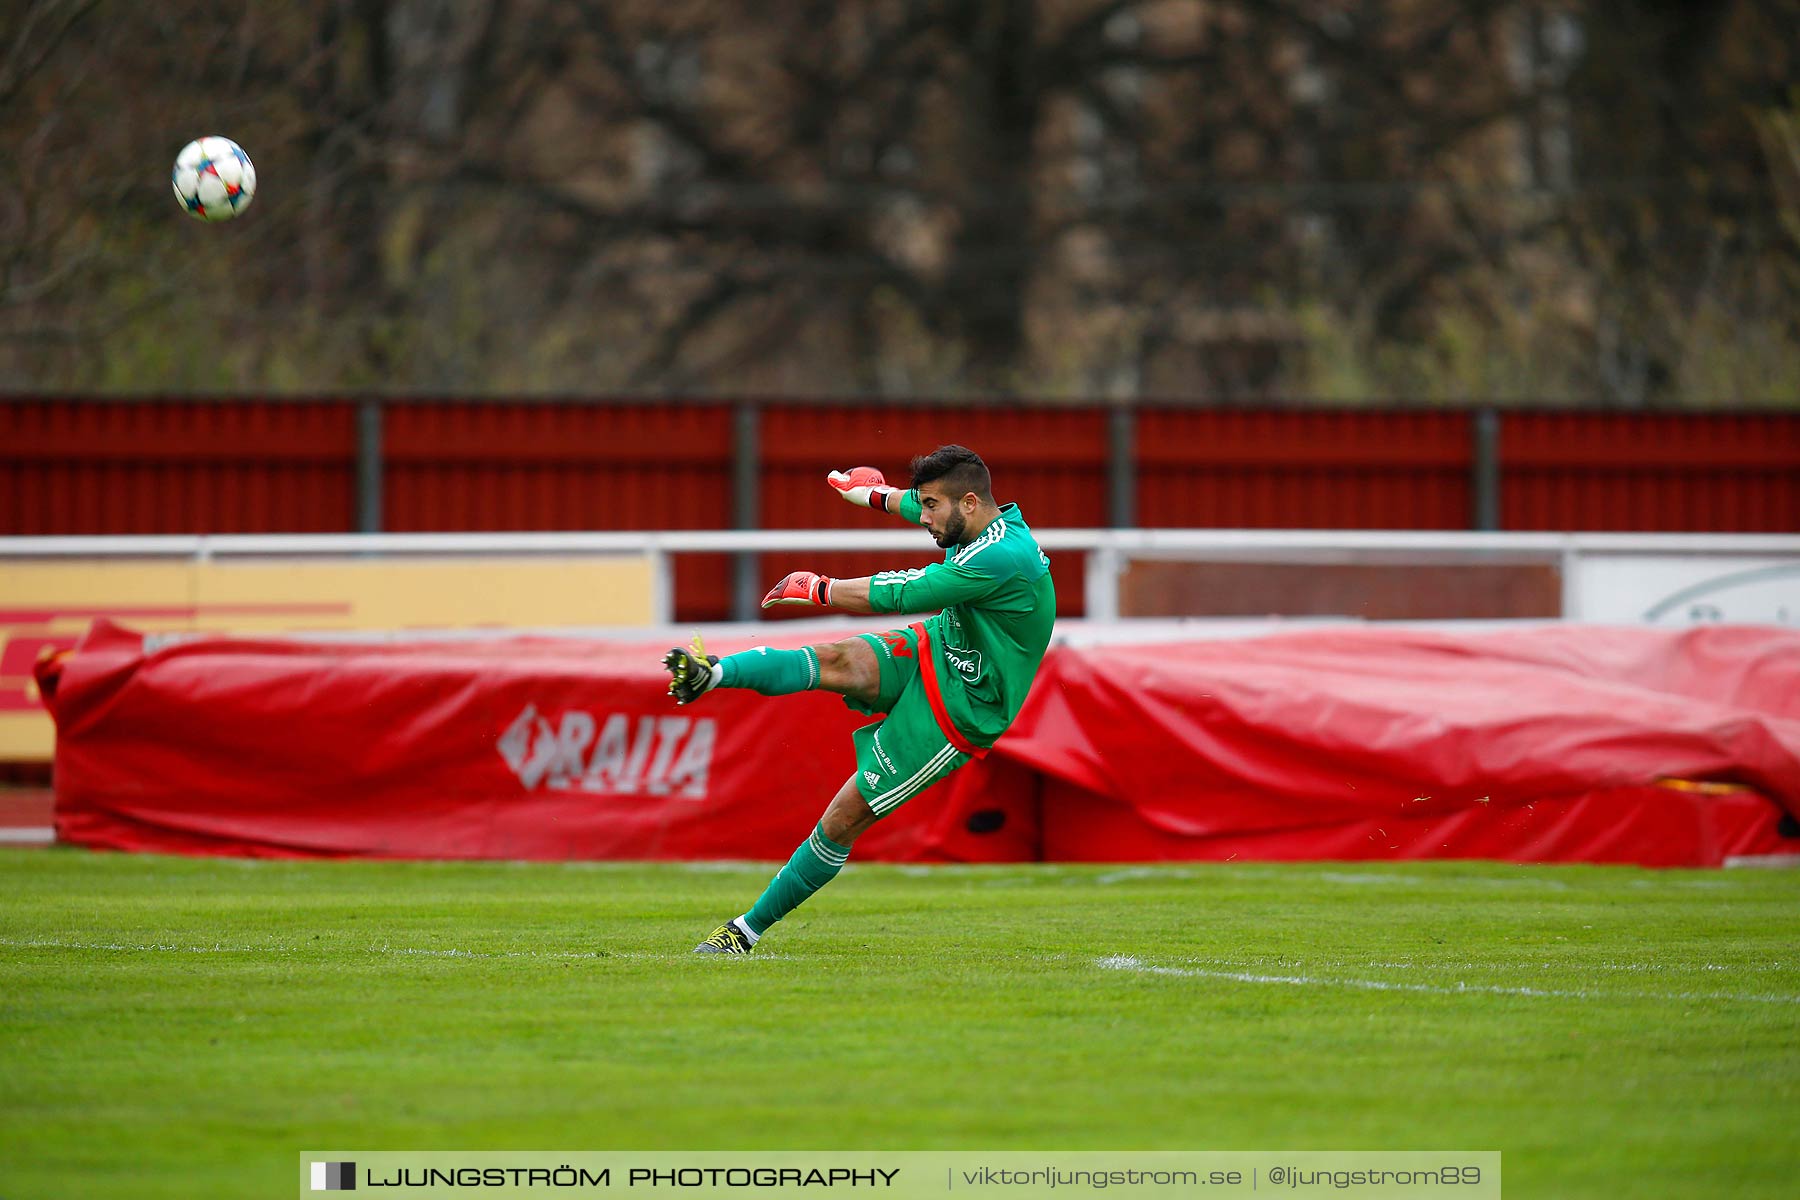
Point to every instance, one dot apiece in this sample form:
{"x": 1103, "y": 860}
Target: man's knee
{"x": 849, "y": 667}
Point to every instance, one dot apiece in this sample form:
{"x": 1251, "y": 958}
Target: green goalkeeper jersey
{"x": 998, "y": 607}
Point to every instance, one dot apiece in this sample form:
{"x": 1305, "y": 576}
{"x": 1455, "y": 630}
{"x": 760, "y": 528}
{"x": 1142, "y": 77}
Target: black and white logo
{"x": 334, "y": 1177}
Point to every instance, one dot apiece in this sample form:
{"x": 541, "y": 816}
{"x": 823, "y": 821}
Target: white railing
{"x": 1584, "y": 560}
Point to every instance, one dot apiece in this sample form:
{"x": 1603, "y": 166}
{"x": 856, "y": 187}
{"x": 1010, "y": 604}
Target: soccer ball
{"x": 213, "y": 179}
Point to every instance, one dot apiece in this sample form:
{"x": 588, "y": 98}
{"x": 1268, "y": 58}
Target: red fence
{"x": 451, "y": 466}
{"x": 1304, "y": 469}
{"x": 493, "y": 466}
{"x": 131, "y": 466}
{"x": 1651, "y": 473}
{"x": 180, "y": 467}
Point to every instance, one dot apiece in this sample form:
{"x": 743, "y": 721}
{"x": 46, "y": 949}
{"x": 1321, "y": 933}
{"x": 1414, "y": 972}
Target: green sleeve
{"x": 937, "y": 586}
{"x": 908, "y": 506}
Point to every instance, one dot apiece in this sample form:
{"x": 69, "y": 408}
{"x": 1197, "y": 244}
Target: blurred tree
{"x": 1677, "y": 215}
{"x": 41, "y": 258}
{"x": 1574, "y": 200}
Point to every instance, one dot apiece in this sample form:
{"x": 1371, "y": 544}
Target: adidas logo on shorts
{"x": 871, "y": 778}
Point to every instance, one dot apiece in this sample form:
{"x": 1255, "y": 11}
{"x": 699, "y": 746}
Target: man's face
{"x": 943, "y": 516}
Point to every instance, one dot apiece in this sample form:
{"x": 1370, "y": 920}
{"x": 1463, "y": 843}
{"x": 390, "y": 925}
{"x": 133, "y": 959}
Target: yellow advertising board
{"x": 48, "y": 605}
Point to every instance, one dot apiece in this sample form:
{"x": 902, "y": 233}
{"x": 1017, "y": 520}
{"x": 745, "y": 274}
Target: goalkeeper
{"x": 949, "y": 685}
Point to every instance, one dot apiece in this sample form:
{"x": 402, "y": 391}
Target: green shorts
{"x": 905, "y": 752}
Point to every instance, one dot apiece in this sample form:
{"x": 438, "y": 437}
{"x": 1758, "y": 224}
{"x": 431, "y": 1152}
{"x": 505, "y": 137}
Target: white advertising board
{"x": 1692, "y": 589}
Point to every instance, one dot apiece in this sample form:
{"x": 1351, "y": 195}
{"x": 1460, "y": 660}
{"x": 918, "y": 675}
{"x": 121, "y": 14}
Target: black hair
{"x": 960, "y": 468}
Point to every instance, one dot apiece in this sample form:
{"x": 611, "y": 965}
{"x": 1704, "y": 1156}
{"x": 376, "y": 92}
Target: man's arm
{"x": 852, "y": 595}
{"x": 867, "y": 488}
{"x": 820, "y": 591}
{"x": 937, "y": 586}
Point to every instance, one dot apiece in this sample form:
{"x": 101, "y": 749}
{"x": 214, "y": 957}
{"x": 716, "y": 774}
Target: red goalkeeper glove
{"x": 865, "y": 486}
{"x": 800, "y": 587}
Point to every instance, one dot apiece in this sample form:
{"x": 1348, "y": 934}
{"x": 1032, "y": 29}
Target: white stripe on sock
{"x": 825, "y": 852}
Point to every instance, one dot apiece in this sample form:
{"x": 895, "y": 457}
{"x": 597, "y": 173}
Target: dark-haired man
{"x": 949, "y": 685}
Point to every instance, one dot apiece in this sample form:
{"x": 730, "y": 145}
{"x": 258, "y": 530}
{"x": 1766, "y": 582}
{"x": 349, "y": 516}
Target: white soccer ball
{"x": 213, "y": 179}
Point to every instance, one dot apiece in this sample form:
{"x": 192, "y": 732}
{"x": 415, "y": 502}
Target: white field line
{"x": 27, "y": 835}
{"x": 1519, "y": 965}
{"x": 1125, "y": 962}
{"x": 1766, "y": 861}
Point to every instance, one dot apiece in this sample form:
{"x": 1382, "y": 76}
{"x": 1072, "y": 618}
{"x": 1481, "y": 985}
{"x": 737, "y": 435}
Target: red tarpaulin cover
{"x": 1541, "y": 744}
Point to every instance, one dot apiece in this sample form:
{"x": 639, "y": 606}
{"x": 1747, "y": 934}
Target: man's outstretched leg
{"x": 815, "y": 864}
{"x": 848, "y": 668}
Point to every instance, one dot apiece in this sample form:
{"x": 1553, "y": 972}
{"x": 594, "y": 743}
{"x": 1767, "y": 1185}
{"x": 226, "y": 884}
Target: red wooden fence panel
{"x": 1650, "y": 472}
{"x": 452, "y": 465}
{"x": 507, "y": 467}
{"x": 190, "y": 466}
{"x": 181, "y": 466}
{"x": 1303, "y": 469}
{"x": 1051, "y": 461}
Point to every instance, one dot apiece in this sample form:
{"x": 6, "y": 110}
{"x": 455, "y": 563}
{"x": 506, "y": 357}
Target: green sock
{"x": 771, "y": 672}
{"x": 815, "y": 864}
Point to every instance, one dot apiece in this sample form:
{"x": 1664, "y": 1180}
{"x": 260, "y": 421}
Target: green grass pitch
{"x": 184, "y": 1028}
